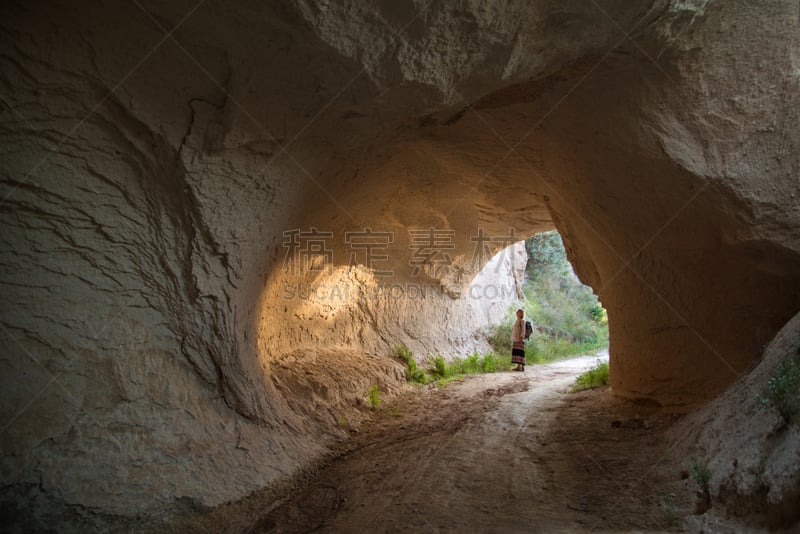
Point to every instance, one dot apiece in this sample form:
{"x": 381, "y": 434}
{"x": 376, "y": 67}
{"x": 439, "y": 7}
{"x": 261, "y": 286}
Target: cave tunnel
{"x": 180, "y": 179}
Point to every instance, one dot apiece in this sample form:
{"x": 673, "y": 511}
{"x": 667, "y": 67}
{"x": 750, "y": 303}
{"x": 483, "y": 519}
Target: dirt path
{"x": 505, "y": 452}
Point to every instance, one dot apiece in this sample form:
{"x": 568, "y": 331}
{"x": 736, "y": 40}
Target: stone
{"x": 190, "y": 193}
{"x": 751, "y": 453}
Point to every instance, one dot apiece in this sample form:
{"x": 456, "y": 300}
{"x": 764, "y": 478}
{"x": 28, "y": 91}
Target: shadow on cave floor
{"x": 491, "y": 453}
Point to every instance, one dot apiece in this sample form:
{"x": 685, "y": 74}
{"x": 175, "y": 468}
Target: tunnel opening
{"x": 567, "y": 317}
{"x": 354, "y": 318}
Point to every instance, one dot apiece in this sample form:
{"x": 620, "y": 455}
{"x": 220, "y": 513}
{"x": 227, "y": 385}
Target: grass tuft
{"x": 701, "y": 474}
{"x": 439, "y": 367}
{"x": 443, "y": 372}
{"x": 413, "y": 373}
{"x": 669, "y": 509}
{"x": 491, "y": 364}
{"x": 783, "y": 389}
{"x": 374, "y": 397}
{"x": 595, "y": 377}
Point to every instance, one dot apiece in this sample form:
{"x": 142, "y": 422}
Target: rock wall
{"x": 751, "y": 451}
{"x": 440, "y": 310}
{"x": 499, "y": 285}
{"x": 711, "y": 261}
{"x": 190, "y": 194}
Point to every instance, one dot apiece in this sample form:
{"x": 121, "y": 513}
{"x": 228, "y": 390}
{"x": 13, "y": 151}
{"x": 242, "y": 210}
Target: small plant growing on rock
{"x": 374, "y": 397}
{"x": 783, "y": 389}
{"x": 403, "y": 352}
{"x": 702, "y": 476}
{"x": 669, "y": 509}
{"x": 414, "y": 373}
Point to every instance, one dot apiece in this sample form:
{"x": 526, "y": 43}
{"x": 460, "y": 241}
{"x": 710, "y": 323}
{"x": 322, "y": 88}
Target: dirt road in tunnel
{"x": 504, "y": 452}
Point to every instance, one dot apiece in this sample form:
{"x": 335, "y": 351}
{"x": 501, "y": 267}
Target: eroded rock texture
{"x": 170, "y": 330}
{"x": 751, "y": 451}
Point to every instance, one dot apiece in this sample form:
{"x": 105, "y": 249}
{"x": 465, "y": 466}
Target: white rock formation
{"x": 499, "y": 285}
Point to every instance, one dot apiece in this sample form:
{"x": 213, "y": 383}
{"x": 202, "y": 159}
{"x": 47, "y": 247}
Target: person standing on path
{"x": 518, "y": 341}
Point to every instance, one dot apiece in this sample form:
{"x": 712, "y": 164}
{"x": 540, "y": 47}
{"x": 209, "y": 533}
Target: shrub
{"x": 702, "y": 476}
{"x": 444, "y": 372}
{"x": 414, "y": 373}
{"x": 594, "y": 377}
{"x": 700, "y": 473}
{"x": 374, "y": 397}
{"x": 499, "y": 337}
{"x": 489, "y": 363}
{"x": 403, "y": 352}
{"x": 472, "y": 364}
{"x": 597, "y": 313}
{"x": 440, "y": 368}
{"x": 783, "y": 388}
{"x": 669, "y": 509}
{"x": 546, "y": 255}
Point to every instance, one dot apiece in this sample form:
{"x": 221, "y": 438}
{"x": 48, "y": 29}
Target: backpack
{"x": 528, "y": 329}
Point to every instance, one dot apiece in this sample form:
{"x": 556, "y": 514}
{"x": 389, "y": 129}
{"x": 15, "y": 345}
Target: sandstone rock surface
{"x": 753, "y": 455}
{"x": 170, "y": 317}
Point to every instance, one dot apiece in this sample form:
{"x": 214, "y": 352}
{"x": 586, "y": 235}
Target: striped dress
{"x": 518, "y": 342}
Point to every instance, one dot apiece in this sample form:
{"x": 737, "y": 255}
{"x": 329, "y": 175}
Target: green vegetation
{"x": 414, "y": 373}
{"x": 546, "y": 256}
{"x": 439, "y": 368}
{"x": 443, "y": 372}
{"x": 374, "y": 397}
{"x": 491, "y": 363}
{"x": 499, "y": 337}
{"x": 669, "y": 509}
{"x": 783, "y": 389}
{"x": 701, "y": 474}
{"x": 477, "y": 364}
{"x": 594, "y": 377}
{"x": 567, "y": 317}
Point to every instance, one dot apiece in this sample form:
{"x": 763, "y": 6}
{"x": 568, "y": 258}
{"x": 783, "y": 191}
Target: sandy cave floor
{"x": 504, "y": 452}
